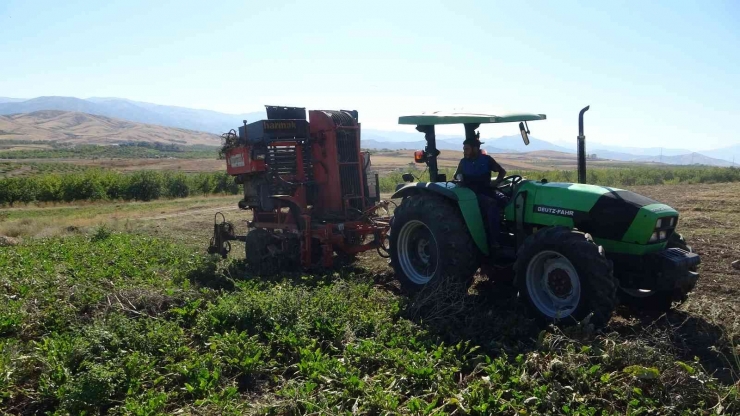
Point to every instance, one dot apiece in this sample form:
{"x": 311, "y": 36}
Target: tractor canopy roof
{"x": 443, "y": 117}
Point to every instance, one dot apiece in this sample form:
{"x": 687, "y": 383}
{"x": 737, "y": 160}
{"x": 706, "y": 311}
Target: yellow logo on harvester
{"x": 278, "y": 125}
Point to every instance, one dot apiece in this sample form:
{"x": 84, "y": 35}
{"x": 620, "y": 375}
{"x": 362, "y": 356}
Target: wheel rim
{"x": 639, "y": 293}
{"x": 553, "y": 284}
{"x": 417, "y": 252}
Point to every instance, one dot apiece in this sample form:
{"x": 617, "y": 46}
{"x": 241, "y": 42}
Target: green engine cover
{"x": 621, "y": 221}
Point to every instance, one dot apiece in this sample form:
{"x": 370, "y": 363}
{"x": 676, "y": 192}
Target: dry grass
{"x": 47, "y": 220}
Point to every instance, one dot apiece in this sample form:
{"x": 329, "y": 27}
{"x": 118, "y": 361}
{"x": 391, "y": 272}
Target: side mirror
{"x": 407, "y": 177}
{"x": 524, "y": 132}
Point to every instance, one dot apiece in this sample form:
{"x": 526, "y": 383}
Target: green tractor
{"x": 576, "y": 250}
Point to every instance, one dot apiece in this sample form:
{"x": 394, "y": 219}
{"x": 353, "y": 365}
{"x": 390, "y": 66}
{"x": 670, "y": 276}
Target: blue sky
{"x": 655, "y": 73}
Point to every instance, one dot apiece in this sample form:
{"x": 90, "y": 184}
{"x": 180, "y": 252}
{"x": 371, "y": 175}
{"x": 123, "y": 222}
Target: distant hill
{"x": 80, "y": 128}
{"x": 729, "y": 153}
{"x": 419, "y": 145}
{"x": 687, "y": 159}
{"x": 10, "y": 100}
{"x": 217, "y": 123}
{"x": 403, "y": 136}
{"x": 514, "y": 144}
{"x": 170, "y": 116}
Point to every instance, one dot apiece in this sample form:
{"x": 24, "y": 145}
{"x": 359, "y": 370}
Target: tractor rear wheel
{"x": 564, "y": 276}
{"x": 263, "y": 250}
{"x": 659, "y": 300}
{"x": 429, "y": 240}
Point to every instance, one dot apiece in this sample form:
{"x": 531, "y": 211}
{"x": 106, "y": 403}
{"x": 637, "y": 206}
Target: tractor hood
{"x": 606, "y": 213}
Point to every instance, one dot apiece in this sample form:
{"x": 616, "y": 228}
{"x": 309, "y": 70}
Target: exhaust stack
{"x": 581, "y": 147}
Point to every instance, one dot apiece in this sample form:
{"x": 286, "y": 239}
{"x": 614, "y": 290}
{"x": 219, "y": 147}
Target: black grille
{"x": 283, "y": 166}
{"x": 350, "y": 181}
{"x": 349, "y": 166}
{"x": 282, "y": 160}
{"x": 676, "y": 258}
{"x": 351, "y": 185}
{"x": 347, "y": 146}
{"x": 341, "y": 118}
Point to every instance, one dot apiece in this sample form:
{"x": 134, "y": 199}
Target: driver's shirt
{"x": 477, "y": 173}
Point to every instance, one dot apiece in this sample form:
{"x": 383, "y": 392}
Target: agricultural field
{"x": 112, "y": 307}
{"x": 25, "y": 158}
{"x": 393, "y": 160}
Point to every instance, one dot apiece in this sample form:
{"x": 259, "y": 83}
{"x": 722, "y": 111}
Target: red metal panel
{"x": 239, "y": 161}
{"x": 326, "y": 163}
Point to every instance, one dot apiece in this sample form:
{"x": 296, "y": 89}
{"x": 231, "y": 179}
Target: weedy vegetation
{"x": 112, "y": 322}
{"x": 122, "y": 324}
{"x": 97, "y": 184}
{"x": 135, "y": 150}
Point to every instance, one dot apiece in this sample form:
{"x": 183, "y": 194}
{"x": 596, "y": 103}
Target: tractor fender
{"x": 466, "y": 201}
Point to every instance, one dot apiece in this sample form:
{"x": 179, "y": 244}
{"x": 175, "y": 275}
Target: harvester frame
{"x": 309, "y": 188}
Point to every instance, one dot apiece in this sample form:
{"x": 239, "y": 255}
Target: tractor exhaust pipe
{"x": 581, "y": 147}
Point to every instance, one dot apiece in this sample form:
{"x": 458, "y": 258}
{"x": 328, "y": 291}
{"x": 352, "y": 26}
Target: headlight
{"x": 653, "y": 238}
{"x": 662, "y": 235}
{"x": 659, "y": 223}
{"x": 673, "y": 221}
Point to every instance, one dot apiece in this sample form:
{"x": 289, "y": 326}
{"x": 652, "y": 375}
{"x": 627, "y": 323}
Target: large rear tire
{"x": 659, "y": 300}
{"x": 429, "y": 240}
{"x": 563, "y": 276}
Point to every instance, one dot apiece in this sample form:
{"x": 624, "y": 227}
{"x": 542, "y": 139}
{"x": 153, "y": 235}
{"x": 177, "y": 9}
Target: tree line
{"x": 97, "y": 185}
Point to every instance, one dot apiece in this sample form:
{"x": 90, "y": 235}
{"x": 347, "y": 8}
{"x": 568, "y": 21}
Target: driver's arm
{"x": 457, "y": 171}
{"x": 495, "y": 167}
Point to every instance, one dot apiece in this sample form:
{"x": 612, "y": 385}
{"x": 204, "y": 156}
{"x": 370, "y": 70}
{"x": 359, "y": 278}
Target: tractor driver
{"x": 475, "y": 172}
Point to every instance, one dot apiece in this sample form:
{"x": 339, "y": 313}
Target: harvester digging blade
{"x": 223, "y": 232}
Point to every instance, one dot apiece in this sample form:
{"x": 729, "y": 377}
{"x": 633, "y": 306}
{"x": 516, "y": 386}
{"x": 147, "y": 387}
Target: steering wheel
{"x": 513, "y": 180}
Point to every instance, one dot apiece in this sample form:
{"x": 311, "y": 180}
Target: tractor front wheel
{"x": 563, "y": 277}
{"x": 429, "y": 240}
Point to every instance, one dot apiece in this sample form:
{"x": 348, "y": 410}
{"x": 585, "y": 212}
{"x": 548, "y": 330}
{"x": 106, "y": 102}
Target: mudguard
{"x": 466, "y": 200}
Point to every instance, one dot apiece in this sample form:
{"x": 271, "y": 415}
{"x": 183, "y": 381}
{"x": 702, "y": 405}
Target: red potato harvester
{"x": 309, "y": 188}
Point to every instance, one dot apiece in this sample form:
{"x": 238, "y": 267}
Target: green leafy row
{"x": 120, "y": 324}
{"x": 95, "y": 185}
{"x": 123, "y": 151}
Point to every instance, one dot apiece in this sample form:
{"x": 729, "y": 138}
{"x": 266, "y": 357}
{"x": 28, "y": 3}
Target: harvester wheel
{"x": 262, "y": 251}
{"x": 563, "y": 276}
{"x": 659, "y": 300}
{"x": 429, "y": 240}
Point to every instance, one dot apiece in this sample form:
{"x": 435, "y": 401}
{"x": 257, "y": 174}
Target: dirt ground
{"x": 539, "y": 160}
{"x": 382, "y": 161}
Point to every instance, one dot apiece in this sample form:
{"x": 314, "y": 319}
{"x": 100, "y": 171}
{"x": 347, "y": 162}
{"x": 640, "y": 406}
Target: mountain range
{"x": 514, "y": 144}
{"x": 163, "y": 115}
{"x": 81, "y": 128}
{"x": 217, "y": 123}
